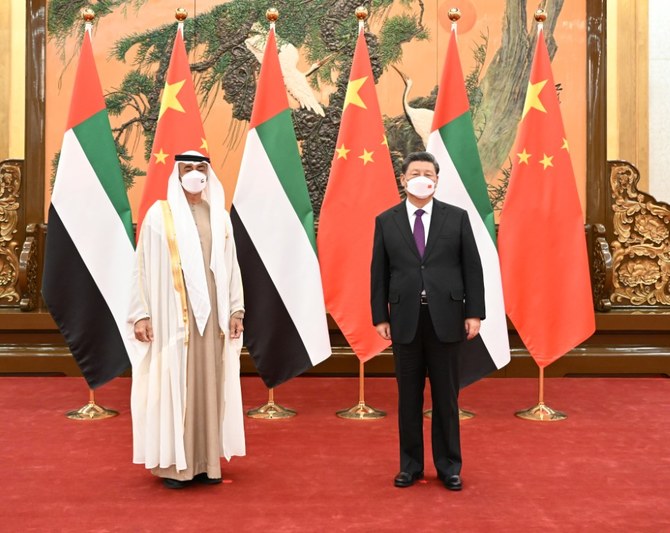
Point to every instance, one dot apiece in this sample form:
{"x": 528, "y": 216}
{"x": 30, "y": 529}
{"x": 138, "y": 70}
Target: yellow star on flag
{"x": 352, "y": 96}
{"x": 385, "y": 142}
{"x": 169, "y": 99}
{"x": 161, "y": 156}
{"x": 366, "y": 157}
{"x": 342, "y": 152}
{"x": 546, "y": 161}
{"x": 565, "y": 144}
{"x": 523, "y": 156}
{"x": 533, "y": 97}
{"x": 204, "y": 145}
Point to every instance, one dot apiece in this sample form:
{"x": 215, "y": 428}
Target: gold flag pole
{"x": 541, "y": 412}
{"x": 454, "y": 15}
{"x": 271, "y": 410}
{"x": 91, "y": 411}
{"x": 361, "y": 411}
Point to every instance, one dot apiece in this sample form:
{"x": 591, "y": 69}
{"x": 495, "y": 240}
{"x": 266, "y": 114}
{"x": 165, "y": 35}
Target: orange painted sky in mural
{"x": 422, "y": 61}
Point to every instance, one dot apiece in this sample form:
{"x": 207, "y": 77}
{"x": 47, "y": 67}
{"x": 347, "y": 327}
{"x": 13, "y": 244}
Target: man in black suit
{"x": 427, "y": 297}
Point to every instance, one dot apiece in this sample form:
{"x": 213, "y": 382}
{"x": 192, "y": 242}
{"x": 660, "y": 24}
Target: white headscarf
{"x": 190, "y": 251}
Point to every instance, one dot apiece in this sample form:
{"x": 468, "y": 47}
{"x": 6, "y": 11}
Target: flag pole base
{"x": 462, "y": 414}
{"x": 541, "y": 413}
{"x": 271, "y": 411}
{"x": 91, "y": 411}
{"x": 361, "y": 411}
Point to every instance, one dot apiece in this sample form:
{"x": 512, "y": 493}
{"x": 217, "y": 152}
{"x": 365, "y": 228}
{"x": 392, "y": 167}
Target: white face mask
{"x": 194, "y": 181}
{"x": 421, "y": 187}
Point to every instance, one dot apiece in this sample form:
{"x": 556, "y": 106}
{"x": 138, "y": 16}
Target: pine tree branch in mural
{"x": 504, "y": 84}
{"x": 324, "y": 30}
{"x": 497, "y": 189}
{"x": 64, "y": 17}
{"x": 472, "y": 80}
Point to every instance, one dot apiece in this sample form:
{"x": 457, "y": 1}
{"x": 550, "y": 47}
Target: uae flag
{"x": 285, "y": 326}
{"x": 179, "y": 128}
{"x": 543, "y": 257}
{"x": 89, "y": 247}
{"x": 453, "y": 143}
{"x": 360, "y": 186}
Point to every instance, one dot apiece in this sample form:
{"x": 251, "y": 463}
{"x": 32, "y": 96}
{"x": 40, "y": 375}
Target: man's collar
{"x": 411, "y": 208}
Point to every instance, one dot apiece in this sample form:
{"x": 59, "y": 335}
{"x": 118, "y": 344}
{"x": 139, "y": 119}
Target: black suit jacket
{"x": 450, "y": 273}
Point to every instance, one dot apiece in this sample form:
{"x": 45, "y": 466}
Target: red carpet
{"x": 606, "y": 468}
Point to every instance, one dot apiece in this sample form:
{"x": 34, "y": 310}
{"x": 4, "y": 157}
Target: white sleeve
{"x": 234, "y": 277}
{"x": 139, "y": 295}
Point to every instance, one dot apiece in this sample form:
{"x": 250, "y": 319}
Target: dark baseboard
{"x": 625, "y": 344}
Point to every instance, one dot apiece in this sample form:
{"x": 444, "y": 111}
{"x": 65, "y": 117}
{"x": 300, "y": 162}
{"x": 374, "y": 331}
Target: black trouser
{"x": 440, "y": 360}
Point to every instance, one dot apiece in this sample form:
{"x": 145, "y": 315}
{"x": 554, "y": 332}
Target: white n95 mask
{"x": 194, "y": 181}
{"x": 421, "y": 187}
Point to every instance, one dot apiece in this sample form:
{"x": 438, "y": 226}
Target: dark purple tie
{"x": 419, "y": 232}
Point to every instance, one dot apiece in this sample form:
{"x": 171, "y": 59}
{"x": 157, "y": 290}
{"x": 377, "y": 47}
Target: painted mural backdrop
{"x": 407, "y": 41}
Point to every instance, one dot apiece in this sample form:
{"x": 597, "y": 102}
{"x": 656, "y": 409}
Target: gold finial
{"x": 180, "y": 14}
{"x": 88, "y": 15}
{"x": 361, "y": 13}
{"x": 540, "y": 15}
{"x": 272, "y": 14}
{"x": 454, "y": 14}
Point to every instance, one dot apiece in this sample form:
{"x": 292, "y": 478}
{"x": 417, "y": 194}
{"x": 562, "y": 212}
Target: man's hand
{"x": 472, "y": 326}
{"x": 384, "y": 330}
{"x": 143, "y": 330}
{"x": 236, "y": 327}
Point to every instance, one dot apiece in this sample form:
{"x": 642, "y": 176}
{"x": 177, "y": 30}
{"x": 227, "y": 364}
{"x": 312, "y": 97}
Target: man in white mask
{"x": 186, "y": 316}
{"x": 427, "y": 297}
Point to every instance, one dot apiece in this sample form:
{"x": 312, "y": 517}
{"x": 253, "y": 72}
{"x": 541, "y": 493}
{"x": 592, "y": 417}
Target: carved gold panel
{"x": 601, "y": 267}
{"x": 10, "y": 187}
{"x": 641, "y": 251}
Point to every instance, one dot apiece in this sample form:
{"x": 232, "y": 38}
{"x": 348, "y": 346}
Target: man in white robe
{"x": 187, "y": 313}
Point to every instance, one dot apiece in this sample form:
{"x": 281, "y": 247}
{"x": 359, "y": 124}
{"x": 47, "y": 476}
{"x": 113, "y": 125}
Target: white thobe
{"x": 158, "y": 398}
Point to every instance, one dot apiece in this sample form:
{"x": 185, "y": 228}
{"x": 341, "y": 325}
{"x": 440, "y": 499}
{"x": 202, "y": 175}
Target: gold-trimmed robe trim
{"x": 175, "y": 263}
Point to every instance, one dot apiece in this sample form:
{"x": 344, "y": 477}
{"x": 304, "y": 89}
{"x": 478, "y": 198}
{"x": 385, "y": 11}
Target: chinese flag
{"x": 179, "y": 126}
{"x": 541, "y": 241}
{"x": 361, "y": 185}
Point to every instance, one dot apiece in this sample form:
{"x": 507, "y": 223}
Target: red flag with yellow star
{"x": 361, "y": 185}
{"x": 179, "y": 126}
{"x": 541, "y": 240}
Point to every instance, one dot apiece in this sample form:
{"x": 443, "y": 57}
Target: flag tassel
{"x": 541, "y": 412}
{"x": 271, "y": 410}
{"x": 91, "y": 411}
{"x": 361, "y": 411}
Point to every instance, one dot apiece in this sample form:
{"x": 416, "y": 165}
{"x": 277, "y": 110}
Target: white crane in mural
{"x": 419, "y": 118}
{"x": 296, "y": 82}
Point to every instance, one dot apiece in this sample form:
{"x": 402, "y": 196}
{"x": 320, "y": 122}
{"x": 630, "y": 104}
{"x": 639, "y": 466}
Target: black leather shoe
{"x": 453, "y": 482}
{"x": 173, "y": 483}
{"x": 405, "y": 479}
{"x": 202, "y": 478}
